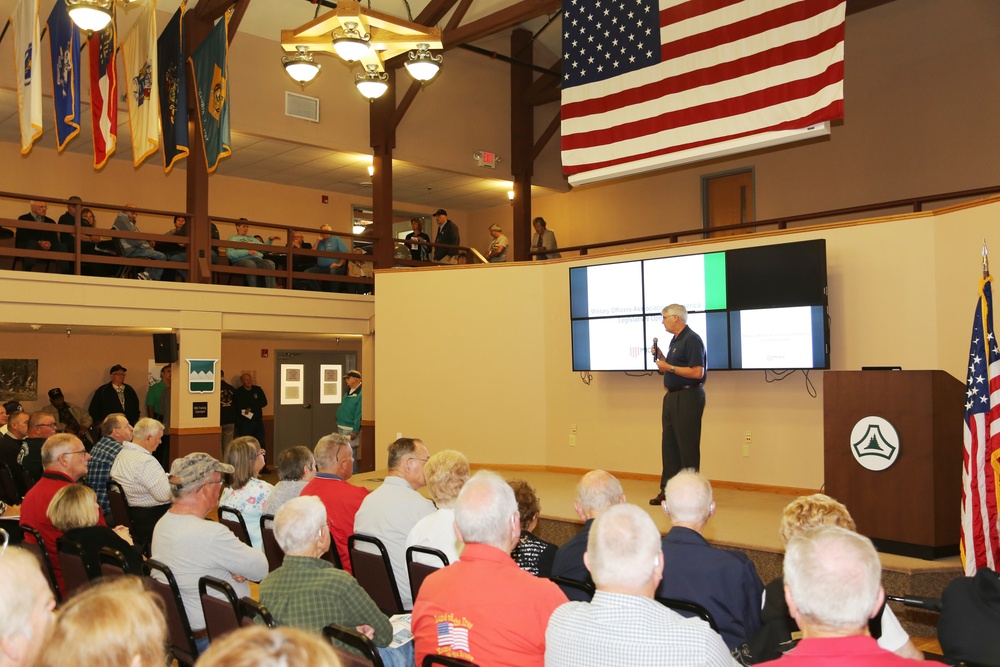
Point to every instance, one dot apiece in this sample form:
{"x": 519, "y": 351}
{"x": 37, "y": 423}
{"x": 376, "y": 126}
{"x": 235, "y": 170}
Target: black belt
{"x": 200, "y": 634}
{"x": 686, "y": 386}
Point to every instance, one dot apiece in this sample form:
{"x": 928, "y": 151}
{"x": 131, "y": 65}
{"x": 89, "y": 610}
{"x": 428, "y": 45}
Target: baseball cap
{"x": 354, "y": 374}
{"x": 193, "y": 468}
{"x": 55, "y": 393}
{"x": 441, "y": 211}
{"x": 116, "y": 368}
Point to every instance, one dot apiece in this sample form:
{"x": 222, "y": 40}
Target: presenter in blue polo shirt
{"x": 684, "y": 371}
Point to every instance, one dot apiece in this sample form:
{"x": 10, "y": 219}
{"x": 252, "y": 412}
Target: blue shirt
{"x": 332, "y": 244}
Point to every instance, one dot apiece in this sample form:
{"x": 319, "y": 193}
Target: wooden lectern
{"x": 913, "y": 507}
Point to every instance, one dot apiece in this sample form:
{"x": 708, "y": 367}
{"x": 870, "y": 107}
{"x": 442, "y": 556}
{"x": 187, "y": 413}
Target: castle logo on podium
{"x": 201, "y": 375}
{"x": 874, "y": 443}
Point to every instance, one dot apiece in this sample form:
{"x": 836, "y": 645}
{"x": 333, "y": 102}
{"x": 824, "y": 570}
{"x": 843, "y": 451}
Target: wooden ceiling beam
{"x": 434, "y": 12}
{"x": 499, "y": 21}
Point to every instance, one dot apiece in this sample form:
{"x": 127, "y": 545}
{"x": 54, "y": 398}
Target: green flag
{"x": 210, "y": 64}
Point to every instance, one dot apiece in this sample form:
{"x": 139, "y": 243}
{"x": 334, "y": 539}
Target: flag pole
{"x": 986, "y": 261}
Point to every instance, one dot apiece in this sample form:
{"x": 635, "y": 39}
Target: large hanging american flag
{"x": 650, "y": 83}
{"x": 981, "y": 443}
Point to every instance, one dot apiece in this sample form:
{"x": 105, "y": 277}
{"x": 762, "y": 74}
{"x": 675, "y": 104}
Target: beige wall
{"x": 492, "y": 375}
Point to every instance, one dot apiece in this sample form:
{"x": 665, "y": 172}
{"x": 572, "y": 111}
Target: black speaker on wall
{"x": 165, "y": 348}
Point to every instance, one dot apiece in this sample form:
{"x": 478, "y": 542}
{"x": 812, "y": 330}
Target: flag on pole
{"x": 103, "y": 93}
{"x": 27, "y": 67}
{"x": 141, "y": 74}
{"x": 64, "y": 49}
{"x": 981, "y": 442}
{"x": 172, "y": 84}
{"x": 210, "y": 65}
{"x": 651, "y": 83}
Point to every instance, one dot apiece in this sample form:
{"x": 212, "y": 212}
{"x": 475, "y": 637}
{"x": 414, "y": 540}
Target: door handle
{"x": 307, "y": 406}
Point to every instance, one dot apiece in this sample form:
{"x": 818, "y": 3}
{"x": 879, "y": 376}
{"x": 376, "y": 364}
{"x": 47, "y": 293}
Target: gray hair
{"x": 623, "y": 548}
{"x": 16, "y": 599}
{"x": 597, "y": 491}
{"x": 57, "y": 445}
{"x": 484, "y": 509}
{"x": 677, "y": 309}
{"x": 298, "y": 523}
{"x": 145, "y": 427}
{"x": 688, "y": 497}
{"x": 111, "y": 422}
{"x": 834, "y": 575}
{"x": 327, "y": 449}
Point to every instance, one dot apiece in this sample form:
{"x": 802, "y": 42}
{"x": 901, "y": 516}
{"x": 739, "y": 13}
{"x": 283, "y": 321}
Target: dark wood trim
{"x": 499, "y": 21}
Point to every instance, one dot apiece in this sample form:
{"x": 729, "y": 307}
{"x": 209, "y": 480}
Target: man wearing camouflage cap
{"x": 192, "y": 547}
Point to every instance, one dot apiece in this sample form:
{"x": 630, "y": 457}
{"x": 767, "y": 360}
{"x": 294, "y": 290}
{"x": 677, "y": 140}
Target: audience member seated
{"x": 193, "y": 547}
{"x": 243, "y": 490}
{"x": 41, "y": 426}
{"x": 723, "y": 582}
{"x": 250, "y": 259}
{"x": 3, "y": 420}
{"x": 10, "y": 447}
{"x": 296, "y": 468}
{"x": 263, "y": 647}
{"x": 446, "y": 472}
{"x": 597, "y": 491}
{"x": 74, "y": 512}
{"x": 775, "y": 635}
{"x": 88, "y": 242}
{"x": 624, "y": 626}
{"x": 360, "y": 269}
{"x": 176, "y": 252}
{"x": 335, "y": 465}
{"x": 118, "y": 622}
{"x": 65, "y": 461}
{"x": 11, "y": 408}
{"x": 970, "y": 616}
{"x": 26, "y": 606}
{"x": 137, "y": 248}
{"x": 532, "y": 553}
{"x": 300, "y": 263}
{"x": 115, "y": 430}
{"x": 329, "y": 265}
{"x": 146, "y": 486}
{"x": 308, "y": 592}
{"x": 70, "y": 418}
{"x": 115, "y": 396}
{"x": 484, "y": 608}
{"x": 392, "y": 510}
{"x": 832, "y": 587}
{"x": 30, "y": 239}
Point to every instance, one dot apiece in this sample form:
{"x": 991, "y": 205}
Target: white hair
{"x": 688, "y": 497}
{"x": 677, "y": 309}
{"x": 484, "y": 509}
{"x": 834, "y": 575}
{"x": 298, "y": 523}
{"x": 623, "y": 548}
{"x": 17, "y": 599}
{"x": 597, "y": 491}
{"x": 145, "y": 427}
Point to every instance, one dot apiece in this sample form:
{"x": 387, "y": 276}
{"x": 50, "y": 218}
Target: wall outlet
{"x": 746, "y": 438}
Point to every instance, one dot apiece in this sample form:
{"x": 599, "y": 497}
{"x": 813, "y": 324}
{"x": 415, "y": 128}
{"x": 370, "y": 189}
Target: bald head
{"x": 623, "y": 552}
{"x": 688, "y": 500}
{"x": 597, "y": 491}
{"x": 486, "y": 512}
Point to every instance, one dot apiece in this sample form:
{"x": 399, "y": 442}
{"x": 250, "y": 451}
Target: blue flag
{"x": 172, "y": 82}
{"x": 210, "y": 64}
{"x": 64, "y": 45}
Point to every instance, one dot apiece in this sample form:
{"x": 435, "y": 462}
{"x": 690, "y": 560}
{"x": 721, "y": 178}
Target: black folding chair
{"x": 565, "y": 584}
{"x": 9, "y": 493}
{"x": 275, "y": 556}
{"x": 418, "y": 571}
{"x": 231, "y": 518}
{"x": 119, "y": 504}
{"x": 431, "y": 660}
{"x": 222, "y": 614}
{"x": 374, "y": 572}
{"x": 250, "y": 609}
{"x": 38, "y": 548}
{"x": 689, "y": 610}
{"x": 180, "y": 639}
{"x": 113, "y": 563}
{"x": 355, "y": 640}
{"x": 75, "y": 572}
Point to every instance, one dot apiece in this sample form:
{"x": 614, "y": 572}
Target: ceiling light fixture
{"x": 423, "y": 65}
{"x": 90, "y": 15}
{"x": 351, "y": 45}
{"x": 371, "y": 170}
{"x": 372, "y": 84}
{"x": 301, "y": 66}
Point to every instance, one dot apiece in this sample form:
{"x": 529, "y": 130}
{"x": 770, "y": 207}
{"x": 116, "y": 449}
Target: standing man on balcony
{"x": 448, "y": 235}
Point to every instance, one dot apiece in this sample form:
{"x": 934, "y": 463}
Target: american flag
{"x": 453, "y": 637}
{"x": 648, "y": 81}
{"x": 103, "y": 93}
{"x": 981, "y": 442}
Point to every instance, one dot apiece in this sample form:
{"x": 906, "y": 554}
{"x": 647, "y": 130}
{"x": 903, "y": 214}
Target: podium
{"x": 912, "y": 507}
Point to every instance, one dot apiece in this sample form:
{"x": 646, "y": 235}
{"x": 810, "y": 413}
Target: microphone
{"x": 655, "y": 341}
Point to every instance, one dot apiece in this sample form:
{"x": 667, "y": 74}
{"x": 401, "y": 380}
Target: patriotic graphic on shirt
{"x": 453, "y": 636}
{"x": 651, "y": 83}
{"x": 981, "y": 438}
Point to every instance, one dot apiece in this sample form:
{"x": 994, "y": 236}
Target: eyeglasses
{"x": 261, "y": 452}
{"x": 82, "y": 451}
{"x": 414, "y": 458}
{"x": 48, "y": 424}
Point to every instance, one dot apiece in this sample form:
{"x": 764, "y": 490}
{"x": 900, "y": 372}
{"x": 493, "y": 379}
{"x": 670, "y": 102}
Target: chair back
{"x": 75, "y": 573}
{"x": 37, "y": 547}
{"x": 374, "y": 572}
{"x": 355, "y": 640}
{"x": 180, "y": 639}
{"x": 112, "y": 563}
{"x": 250, "y": 609}
{"x": 567, "y": 584}
{"x": 418, "y": 571}
{"x": 119, "y": 505}
{"x": 231, "y": 518}
{"x": 222, "y": 614}
{"x": 333, "y": 556}
{"x": 8, "y": 488}
{"x": 275, "y": 556}
{"x": 689, "y": 610}
{"x": 431, "y": 660}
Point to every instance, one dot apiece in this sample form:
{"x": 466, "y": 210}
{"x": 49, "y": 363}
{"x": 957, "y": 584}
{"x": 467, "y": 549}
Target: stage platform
{"x": 744, "y": 519}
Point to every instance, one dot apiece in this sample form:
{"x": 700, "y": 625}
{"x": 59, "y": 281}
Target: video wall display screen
{"x": 755, "y": 308}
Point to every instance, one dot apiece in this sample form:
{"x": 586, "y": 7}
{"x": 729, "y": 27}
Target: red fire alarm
{"x": 326, "y": 199}
{"x": 263, "y": 353}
